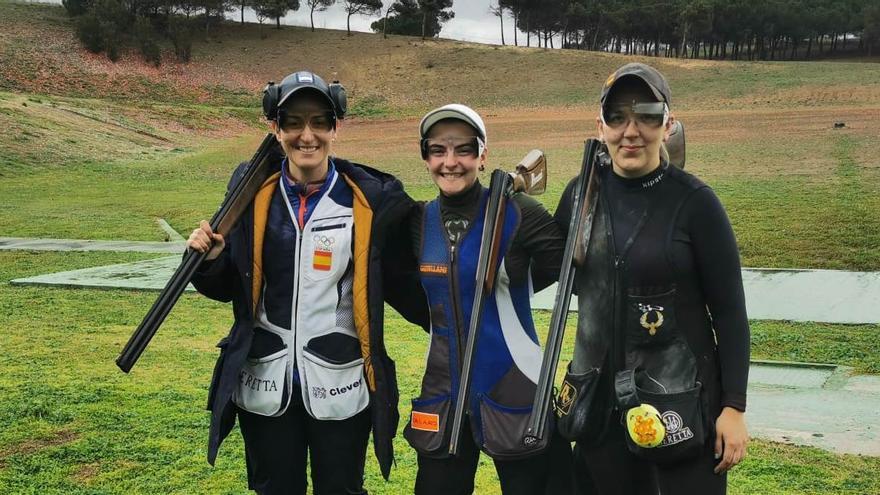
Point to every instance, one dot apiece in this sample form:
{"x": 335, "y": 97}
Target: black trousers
{"x": 275, "y": 450}
{"x": 546, "y": 473}
{"x": 610, "y": 469}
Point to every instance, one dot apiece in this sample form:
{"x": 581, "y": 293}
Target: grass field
{"x": 97, "y": 150}
{"x": 74, "y": 424}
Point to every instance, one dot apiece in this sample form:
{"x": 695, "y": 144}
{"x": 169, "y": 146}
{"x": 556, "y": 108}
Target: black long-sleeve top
{"x": 703, "y": 247}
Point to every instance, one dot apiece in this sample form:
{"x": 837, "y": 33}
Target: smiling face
{"x": 306, "y": 134}
{"x": 633, "y": 139}
{"x": 453, "y": 156}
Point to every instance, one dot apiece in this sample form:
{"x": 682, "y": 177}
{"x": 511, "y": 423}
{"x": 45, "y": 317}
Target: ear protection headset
{"x": 275, "y": 95}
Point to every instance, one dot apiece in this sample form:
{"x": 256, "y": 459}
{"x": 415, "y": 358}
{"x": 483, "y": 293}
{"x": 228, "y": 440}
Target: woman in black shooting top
{"x": 447, "y": 237}
{"x": 662, "y": 348}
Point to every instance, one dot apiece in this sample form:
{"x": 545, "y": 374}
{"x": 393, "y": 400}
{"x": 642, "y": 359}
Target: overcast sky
{"x": 472, "y": 21}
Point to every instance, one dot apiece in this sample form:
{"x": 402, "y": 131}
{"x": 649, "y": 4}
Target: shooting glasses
{"x": 646, "y": 115}
{"x": 296, "y": 122}
{"x": 462, "y": 146}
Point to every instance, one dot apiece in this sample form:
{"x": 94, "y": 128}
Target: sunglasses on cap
{"x": 317, "y": 122}
{"x": 650, "y": 115}
{"x": 466, "y": 146}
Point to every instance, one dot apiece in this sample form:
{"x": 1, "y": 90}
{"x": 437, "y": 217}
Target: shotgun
{"x": 487, "y": 266}
{"x": 530, "y": 177}
{"x": 576, "y": 244}
{"x": 237, "y": 199}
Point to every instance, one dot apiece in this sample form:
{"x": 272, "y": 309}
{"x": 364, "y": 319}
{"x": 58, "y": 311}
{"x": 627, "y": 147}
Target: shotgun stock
{"x": 236, "y": 201}
{"x": 579, "y": 229}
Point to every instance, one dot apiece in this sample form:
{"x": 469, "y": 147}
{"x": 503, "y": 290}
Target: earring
{"x": 482, "y": 167}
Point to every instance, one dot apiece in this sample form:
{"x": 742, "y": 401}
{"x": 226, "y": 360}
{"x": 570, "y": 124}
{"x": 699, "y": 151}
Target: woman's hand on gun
{"x": 203, "y": 239}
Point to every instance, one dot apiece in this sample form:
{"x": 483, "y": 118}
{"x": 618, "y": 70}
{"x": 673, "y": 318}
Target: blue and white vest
{"x": 507, "y": 357}
{"x": 304, "y": 330}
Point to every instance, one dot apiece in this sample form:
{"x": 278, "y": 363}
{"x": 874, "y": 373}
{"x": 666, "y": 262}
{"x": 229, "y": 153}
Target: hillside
{"x": 398, "y": 75}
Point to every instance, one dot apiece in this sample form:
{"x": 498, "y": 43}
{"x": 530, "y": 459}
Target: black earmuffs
{"x": 274, "y": 95}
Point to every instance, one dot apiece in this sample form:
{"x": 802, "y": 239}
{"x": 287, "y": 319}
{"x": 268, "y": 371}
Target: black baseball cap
{"x": 647, "y": 74}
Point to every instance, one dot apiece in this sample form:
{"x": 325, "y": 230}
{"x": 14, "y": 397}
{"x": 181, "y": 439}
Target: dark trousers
{"x": 275, "y": 450}
{"x": 546, "y": 473}
{"x": 610, "y": 469}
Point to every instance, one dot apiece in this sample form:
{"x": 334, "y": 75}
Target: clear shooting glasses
{"x": 645, "y": 115}
{"x": 296, "y": 122}
{"x": 460, "y": 146}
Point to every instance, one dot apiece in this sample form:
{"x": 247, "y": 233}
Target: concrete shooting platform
{"x": 817, "y": 405}
{"x": 174, "y": 243}
{"x": 828, "y": 296}
{"x": 24, "y": 244}
{"x": 149, "y": 275}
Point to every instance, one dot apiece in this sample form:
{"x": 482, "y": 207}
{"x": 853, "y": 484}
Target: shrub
{"x": 146, "y": 41}
{"x": 76, "y": 7}
{"x": 181, "y": 37}
{"x": 88, "y": 30}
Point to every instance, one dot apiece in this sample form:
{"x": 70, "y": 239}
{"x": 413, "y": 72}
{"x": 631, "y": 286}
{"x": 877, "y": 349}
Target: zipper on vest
{"x": 294, "y": 317}
{"x": 456, "y": 308}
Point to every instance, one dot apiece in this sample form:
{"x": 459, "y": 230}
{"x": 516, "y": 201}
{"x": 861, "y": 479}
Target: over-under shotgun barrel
{"x": 236, "y": 201}
{"x": 575, "y": 248}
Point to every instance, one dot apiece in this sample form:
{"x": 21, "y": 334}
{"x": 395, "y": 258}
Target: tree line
{"x": 712, "y": 29}
{"x": 106, "y": 26}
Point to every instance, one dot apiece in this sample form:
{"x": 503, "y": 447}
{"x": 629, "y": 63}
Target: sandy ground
{"x": 756, "y": 142}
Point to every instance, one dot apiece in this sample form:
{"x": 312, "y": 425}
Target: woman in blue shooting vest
{"x": 507, "y": 362}
{"x": 304, "y": 368}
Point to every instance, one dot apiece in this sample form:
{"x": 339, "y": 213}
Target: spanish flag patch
{"x": 322, "y": 260}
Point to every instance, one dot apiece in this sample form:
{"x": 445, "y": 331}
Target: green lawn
{"x": 75, "y": 424}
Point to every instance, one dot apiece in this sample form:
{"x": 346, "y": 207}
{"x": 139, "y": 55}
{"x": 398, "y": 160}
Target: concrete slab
{"x": 150, "y": 275}
{"x": 786, "y": 375}
{"x": 172, "y": 234}
{"x": 818, "y": 405}
{"x": 841, "y": 421}
{"x": 26, "y": 244}
{"x": 832, "y": 296}
{"x": 829, "y": 296}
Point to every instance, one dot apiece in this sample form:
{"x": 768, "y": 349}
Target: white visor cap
{"x": 455, "y": 111}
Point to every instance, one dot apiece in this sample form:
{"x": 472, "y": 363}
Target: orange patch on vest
{"x": 432, "y": 269}
{"x": 425, "y": 421}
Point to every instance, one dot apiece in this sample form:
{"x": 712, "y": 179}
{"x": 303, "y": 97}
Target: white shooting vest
{"x": 321, "y": 343}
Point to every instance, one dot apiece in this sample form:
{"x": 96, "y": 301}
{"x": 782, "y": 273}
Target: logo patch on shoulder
{"x": 433, "y": 269}
{"x": 425, "y": 421}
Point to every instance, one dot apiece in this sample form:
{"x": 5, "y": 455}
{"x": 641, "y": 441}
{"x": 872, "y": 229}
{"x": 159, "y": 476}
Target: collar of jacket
{"x": 362, "y": 213}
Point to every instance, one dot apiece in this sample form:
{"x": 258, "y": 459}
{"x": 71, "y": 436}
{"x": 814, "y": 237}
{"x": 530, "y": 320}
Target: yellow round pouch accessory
{"x": 644, "y": 425}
